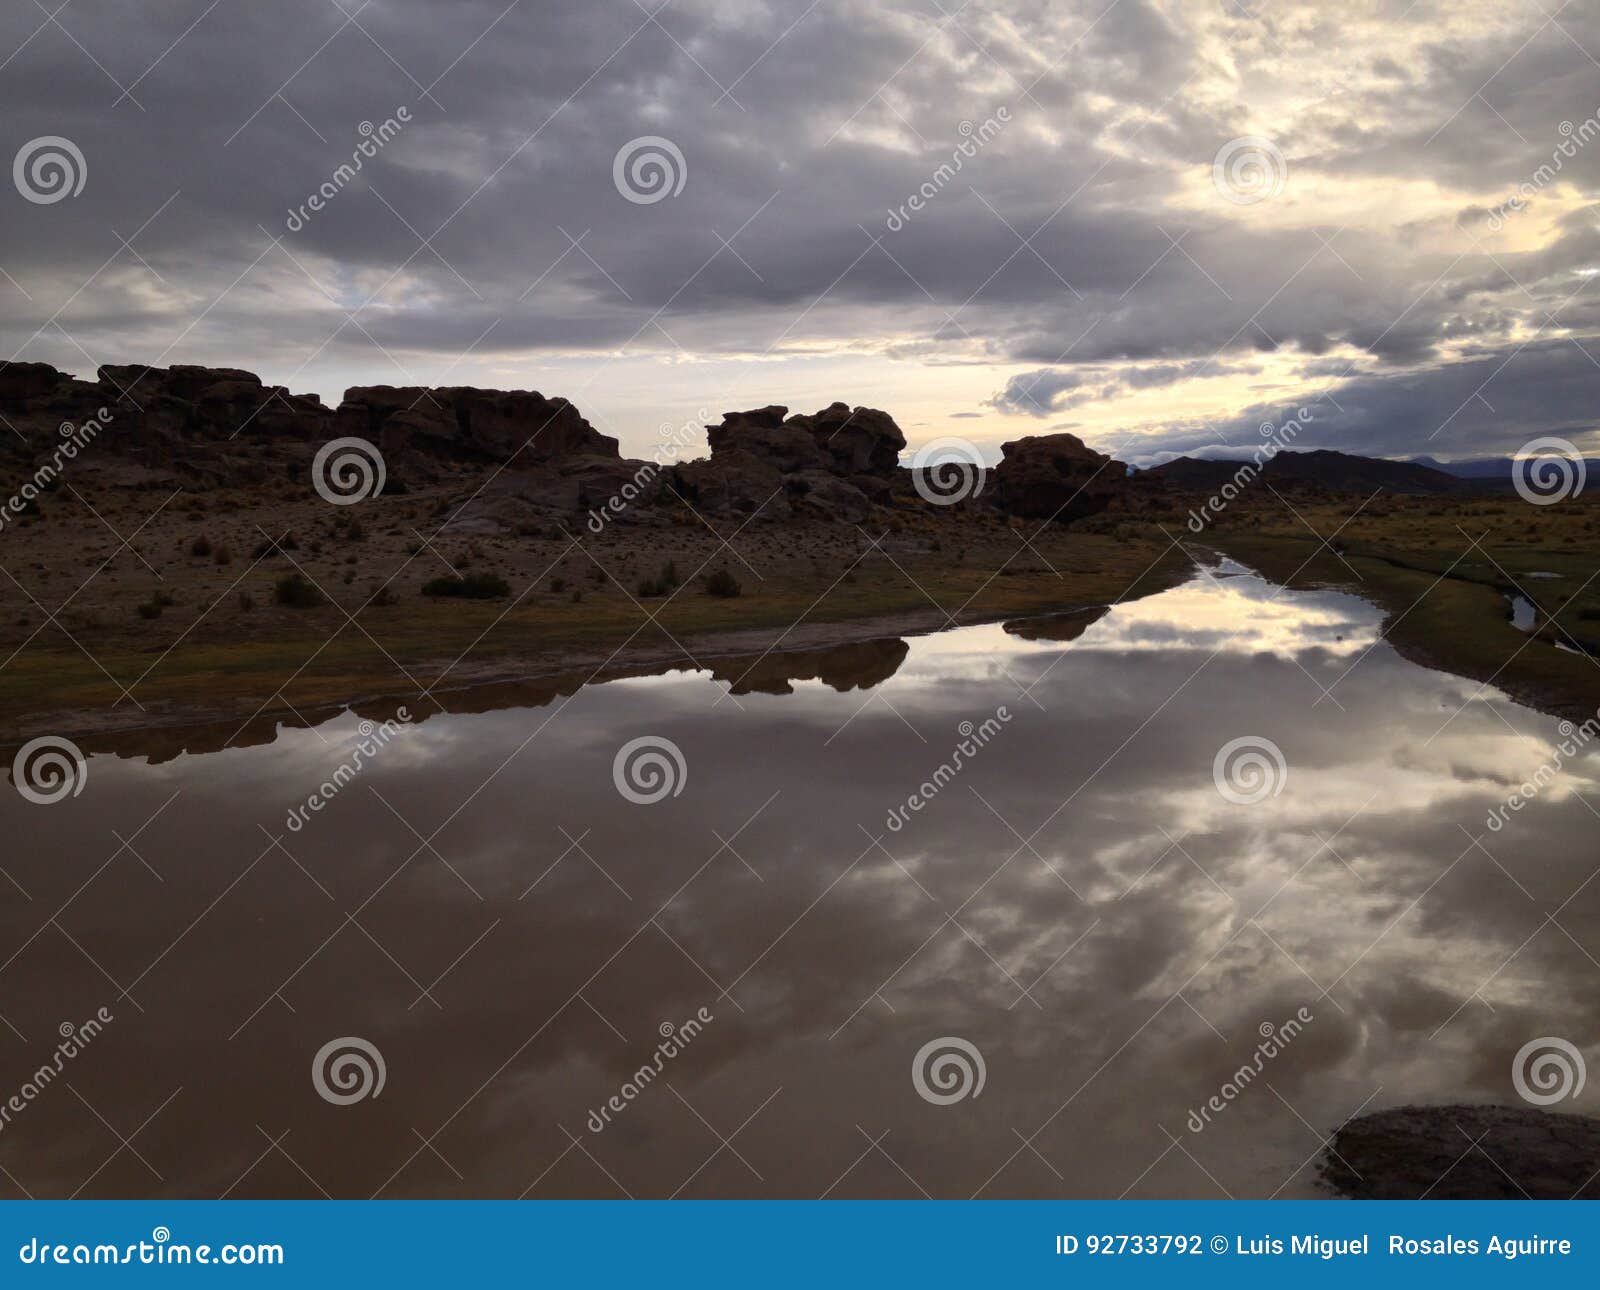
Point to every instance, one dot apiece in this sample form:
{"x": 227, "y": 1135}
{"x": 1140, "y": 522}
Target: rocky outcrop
{"x": 225, "y": 426}
{"x": 834, "y": 464}
{"x": 1415, "y": 1151}
{"x": 201, "y": 422}
{"x": 1056, "y": 477}
{"x": 516, "y": 427}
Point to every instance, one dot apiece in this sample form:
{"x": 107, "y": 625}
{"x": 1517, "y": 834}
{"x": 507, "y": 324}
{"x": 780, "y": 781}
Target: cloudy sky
{"x": 1160, "y": 225}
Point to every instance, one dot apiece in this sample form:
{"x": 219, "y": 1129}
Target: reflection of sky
{"x": 1079, "y": 902}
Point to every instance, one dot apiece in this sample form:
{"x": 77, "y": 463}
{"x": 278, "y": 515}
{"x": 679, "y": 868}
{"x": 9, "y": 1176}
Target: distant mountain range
{"x": 1493, "y": 472}
{"x": 1343, "y": 472}
{"x": 1336, "y": 471}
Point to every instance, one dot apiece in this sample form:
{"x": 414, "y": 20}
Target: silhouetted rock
{"x": 1056, "y": 477}
{"x": 520, "y": 428}
{"x": 1465, "y": 1153}
{"x": 838, "y": 439}
{"x": 1057, "y": 627}
{"x": 733, "y": 481}
{"x": 855, "y": 665}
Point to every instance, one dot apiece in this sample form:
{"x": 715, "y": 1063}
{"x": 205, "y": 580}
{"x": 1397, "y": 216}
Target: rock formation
{"x": 1055, "y": 477}
{"x": 205, "y": 427}
{"x": 834, "y": 464}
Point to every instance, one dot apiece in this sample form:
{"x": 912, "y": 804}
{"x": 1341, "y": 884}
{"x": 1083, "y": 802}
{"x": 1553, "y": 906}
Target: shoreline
{"x": 548, "y": 674}
{"x": 539, "y": 678}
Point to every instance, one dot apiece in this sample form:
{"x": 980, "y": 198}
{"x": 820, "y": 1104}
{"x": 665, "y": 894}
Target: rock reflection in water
{"x": 1079, "y": 904}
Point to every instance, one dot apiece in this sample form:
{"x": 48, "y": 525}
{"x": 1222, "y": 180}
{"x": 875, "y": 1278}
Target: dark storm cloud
{"x": 1081, "y": 238}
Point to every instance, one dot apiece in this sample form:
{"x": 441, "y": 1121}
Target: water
{"x": 1079, "y": 903}
{"x": 1524, "y": 614}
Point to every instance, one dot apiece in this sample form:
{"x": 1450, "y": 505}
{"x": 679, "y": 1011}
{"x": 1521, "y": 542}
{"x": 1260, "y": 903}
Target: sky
{"x": 1162, "y": 226}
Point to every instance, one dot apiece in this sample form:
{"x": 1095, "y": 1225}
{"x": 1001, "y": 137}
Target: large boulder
{"x": 840, "y": 439}
{"x": 764, "y": 434}
{"x": 734, "y": 481}
{"x": 520, "y": 428}
{"x": 856, "y": 441}
{"x": 828, "y": 497}
{"x": 1055, "y": 477}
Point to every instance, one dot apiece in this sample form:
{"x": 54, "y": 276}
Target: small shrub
{"x": 294, "y": 591}
{"x": 222, "y": 555}
{"x": 723, "y": 585}
{"x": 201, "y": 546}
{"x": 149, "y": 609}
{"x": 384, "y": 596}
{"x": 475, "y": 586}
